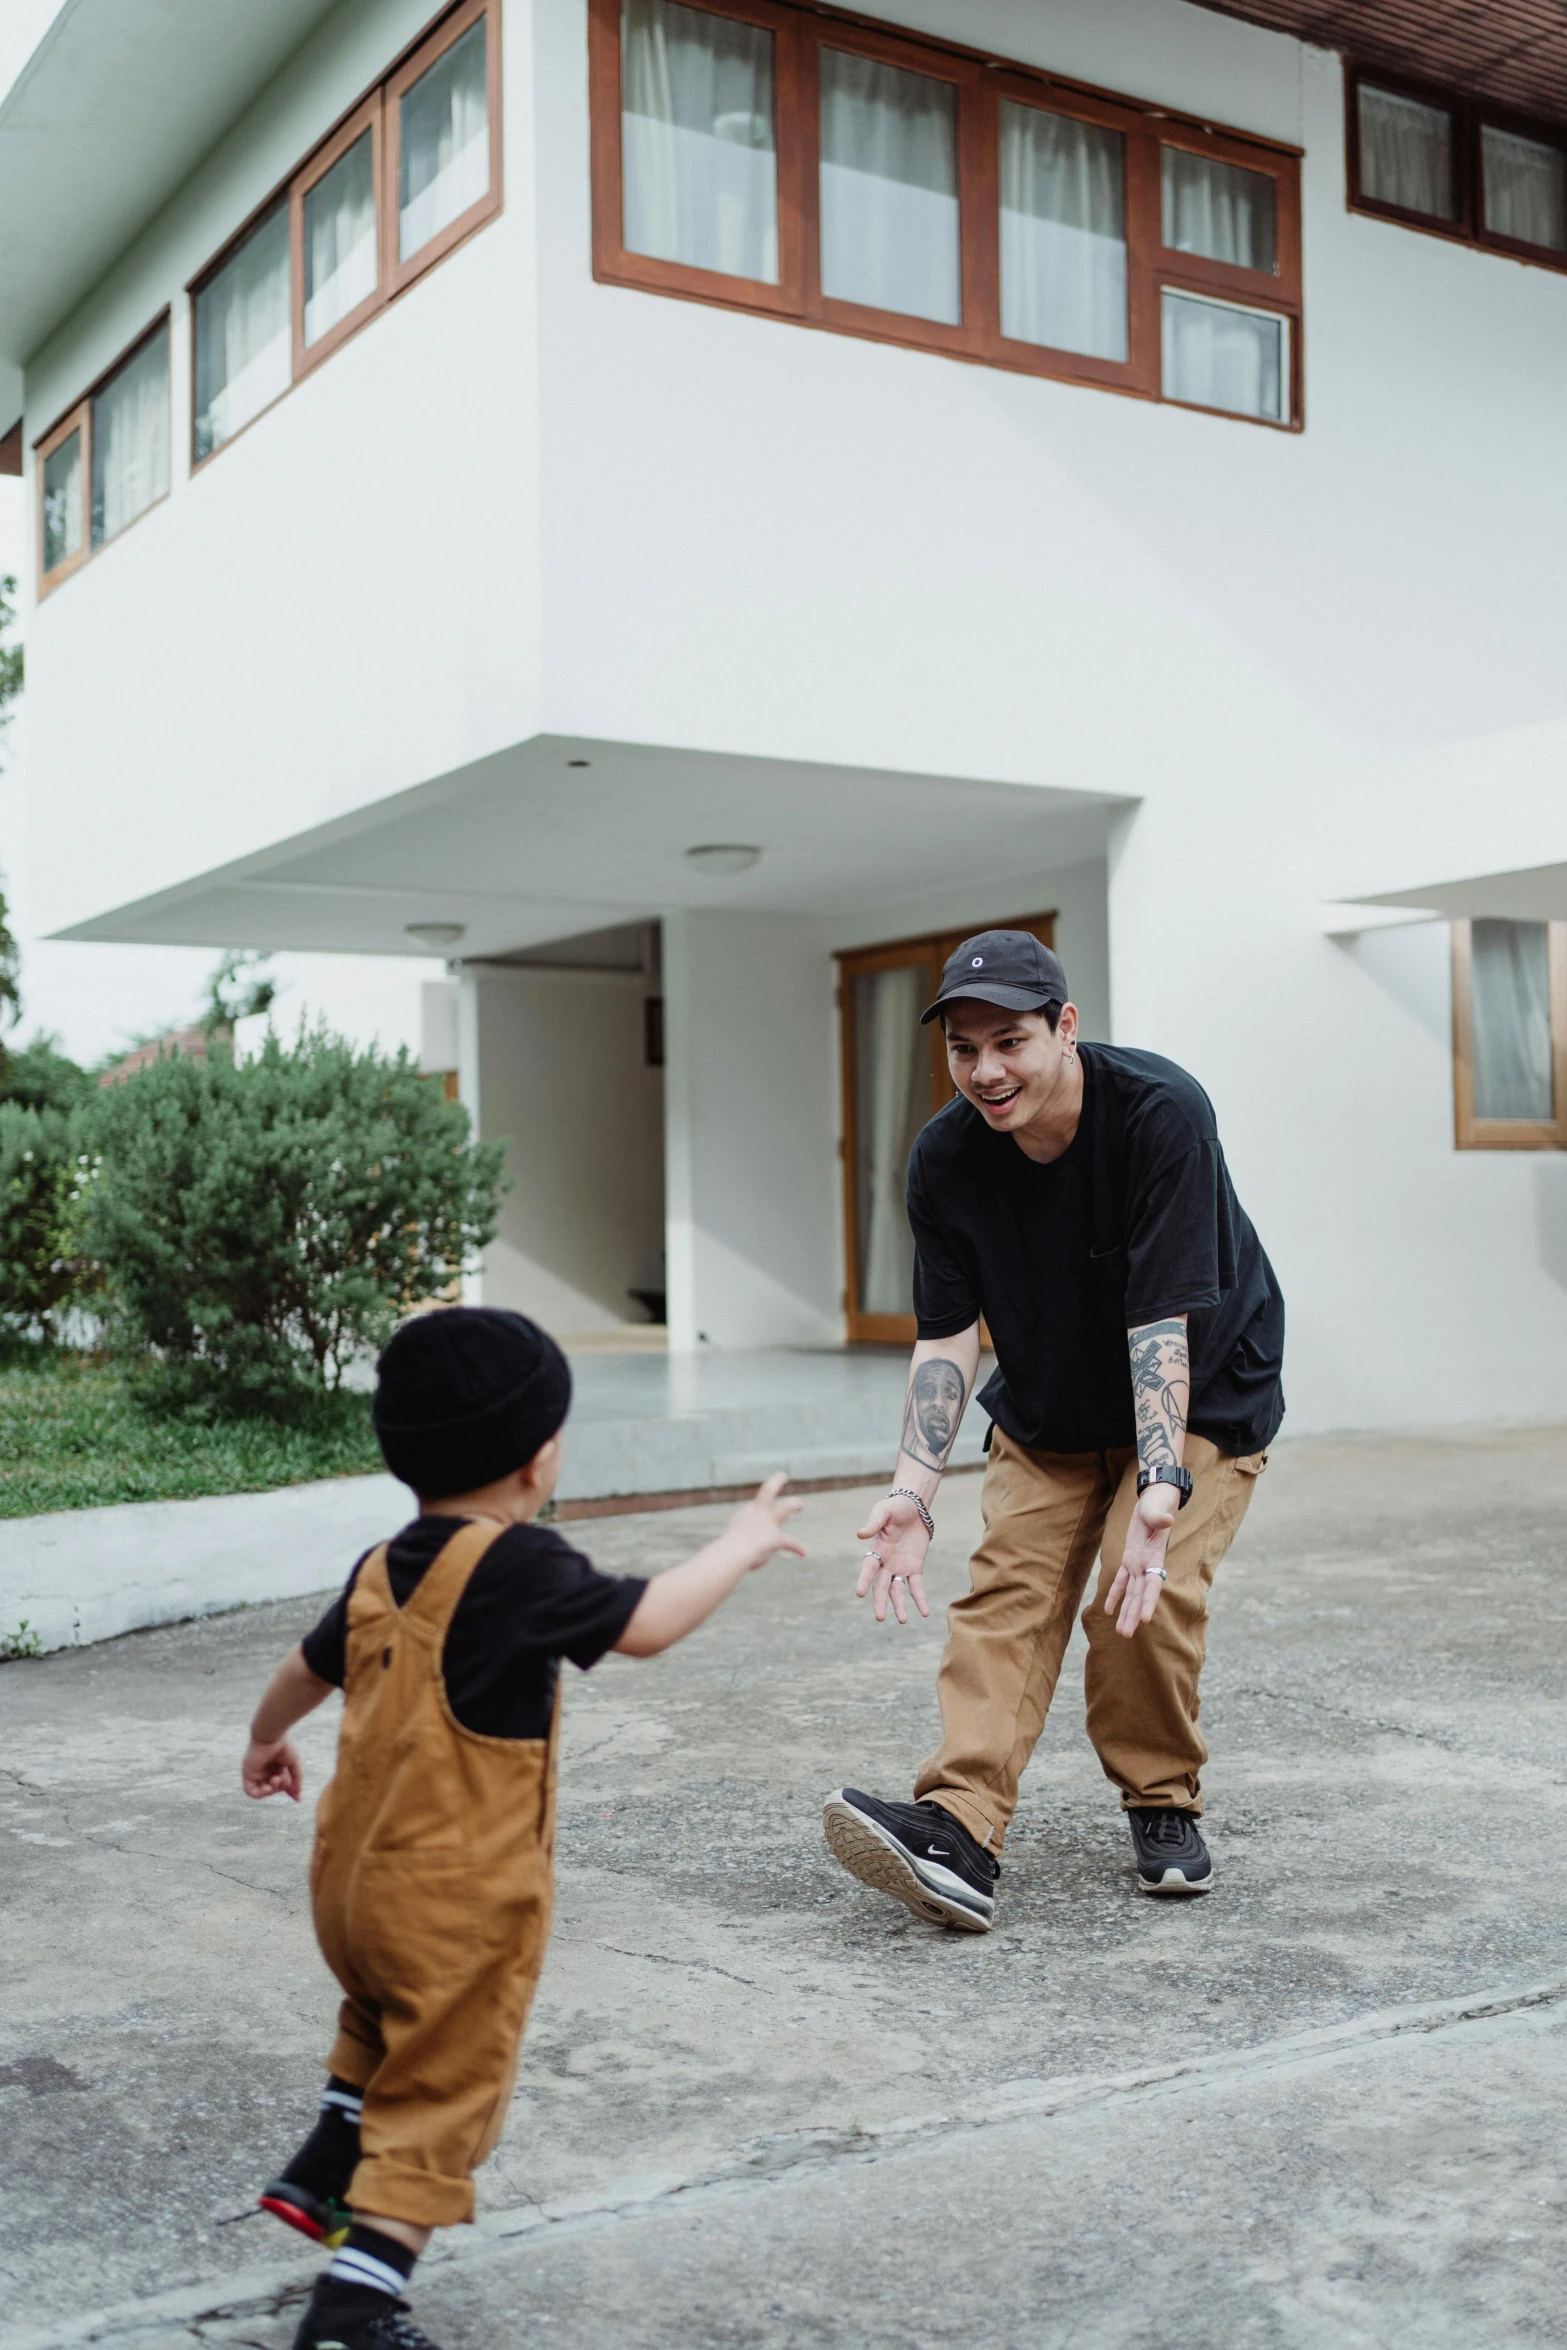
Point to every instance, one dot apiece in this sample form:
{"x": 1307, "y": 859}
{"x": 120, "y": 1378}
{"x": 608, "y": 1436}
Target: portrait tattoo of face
{"x": 935, "y": 1407}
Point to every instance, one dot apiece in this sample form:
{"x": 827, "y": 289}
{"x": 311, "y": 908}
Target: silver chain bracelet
{"x": 903, "y": 1493}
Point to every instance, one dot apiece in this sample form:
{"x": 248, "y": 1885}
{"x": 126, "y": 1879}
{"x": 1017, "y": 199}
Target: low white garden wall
{"x": 80, "y": 1575}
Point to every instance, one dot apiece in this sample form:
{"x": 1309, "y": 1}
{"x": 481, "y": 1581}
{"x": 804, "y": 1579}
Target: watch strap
{"x": 1181, "y": 1479}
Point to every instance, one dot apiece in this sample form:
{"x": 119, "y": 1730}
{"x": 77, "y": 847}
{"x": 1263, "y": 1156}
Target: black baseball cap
{"x": 1005, "y": 967}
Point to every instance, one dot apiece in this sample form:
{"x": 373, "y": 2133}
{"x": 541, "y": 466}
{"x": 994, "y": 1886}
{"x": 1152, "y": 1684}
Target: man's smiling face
{"x": 1008, "y": 1064}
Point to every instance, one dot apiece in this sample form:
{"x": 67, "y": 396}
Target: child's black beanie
{"x": 466, "y": 1394}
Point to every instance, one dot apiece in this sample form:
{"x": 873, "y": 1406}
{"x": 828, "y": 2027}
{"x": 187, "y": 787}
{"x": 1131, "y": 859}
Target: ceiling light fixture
{"x": 437, "y": 936}
{"x": 720, "y": 858}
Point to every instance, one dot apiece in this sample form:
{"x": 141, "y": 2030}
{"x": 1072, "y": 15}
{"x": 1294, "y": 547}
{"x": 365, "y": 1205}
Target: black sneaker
{"x": 389, "y": 2327}
{"x": 312, "y": 2193}
{"x": 1171, "y": 1855}
{"x": 916, "y": 1852}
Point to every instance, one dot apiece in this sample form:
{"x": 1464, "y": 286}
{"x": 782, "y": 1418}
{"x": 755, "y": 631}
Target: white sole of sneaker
{"x": 858, "y": 1845}
{"x": 1173, "y": 1886}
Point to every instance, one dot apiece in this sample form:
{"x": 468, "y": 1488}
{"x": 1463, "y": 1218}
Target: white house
{"x": 685, "y": 508}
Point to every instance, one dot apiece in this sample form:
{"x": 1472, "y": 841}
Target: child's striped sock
{"x": 372, "y": 2260}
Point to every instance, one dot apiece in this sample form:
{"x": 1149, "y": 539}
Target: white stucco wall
{"x": 750, "y": 1125}
{"x": 561, "y": 1078}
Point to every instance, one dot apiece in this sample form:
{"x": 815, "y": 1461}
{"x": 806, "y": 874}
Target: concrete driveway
{"x": 760, "y": 2106}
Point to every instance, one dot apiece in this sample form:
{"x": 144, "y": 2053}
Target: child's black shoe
{"x": 312, "y": 2193}
{"x": 322, "y": 2218}
{"x": 349, "y": 2318}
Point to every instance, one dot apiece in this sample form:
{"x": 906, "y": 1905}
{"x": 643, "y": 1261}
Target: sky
{"x": 95, "y": 998}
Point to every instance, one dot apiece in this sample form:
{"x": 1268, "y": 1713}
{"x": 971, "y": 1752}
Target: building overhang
{"x": 1477, "y": 828}
{"x": 112, "y": 112}
{"x": 556, "y": 836}
{"x": 1512, "y": 53}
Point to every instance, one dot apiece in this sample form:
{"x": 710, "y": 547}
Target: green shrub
{"x": 42, "y": 1269}
{"x": 261, "y": 1225}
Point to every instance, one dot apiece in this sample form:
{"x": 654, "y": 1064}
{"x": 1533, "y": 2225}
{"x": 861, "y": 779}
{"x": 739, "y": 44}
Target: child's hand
{"x": 756, "y": 1532}
{"x": 272, "y": 1770}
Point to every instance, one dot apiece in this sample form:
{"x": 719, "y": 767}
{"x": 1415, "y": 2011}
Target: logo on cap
{"x": 978, "y": 963}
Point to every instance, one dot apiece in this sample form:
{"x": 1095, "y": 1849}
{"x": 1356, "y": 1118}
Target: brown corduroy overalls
{"x": 431, "y": 1886}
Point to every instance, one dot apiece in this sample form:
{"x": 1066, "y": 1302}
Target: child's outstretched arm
{"x": 675, "y": 1602}
{"x": 271, "y": 1765}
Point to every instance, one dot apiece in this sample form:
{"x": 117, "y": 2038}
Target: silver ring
{"x": 900, "y": 1578}
{"x": 1163, "y": 1573}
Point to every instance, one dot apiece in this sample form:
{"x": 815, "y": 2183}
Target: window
{"x": 244, "y": 350}
{"x": 1063, "y": 232}
{"x": 761, "y": 156}
{"x": 1447, "y": 165}
{"x": 1510, "y": 1035}
{"x": 409, "y": 172}
{"x": 698, "y": 134}
{"x": 889, "y": 188}
{"x": 106, "y": 462}
{"x": 894, "y": 1078}
{"x": 1218, "y": 355}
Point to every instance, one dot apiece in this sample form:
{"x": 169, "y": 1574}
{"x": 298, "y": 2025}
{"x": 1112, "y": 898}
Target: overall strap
{"x": 372, "y": 1582}
{"x": 446, "y": 1578}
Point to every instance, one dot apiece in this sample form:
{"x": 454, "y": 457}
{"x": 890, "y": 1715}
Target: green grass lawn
{"x": 73, "y": 1436}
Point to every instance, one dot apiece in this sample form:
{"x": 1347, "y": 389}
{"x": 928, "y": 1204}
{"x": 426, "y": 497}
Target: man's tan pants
{"x": 1047, "y": 1517}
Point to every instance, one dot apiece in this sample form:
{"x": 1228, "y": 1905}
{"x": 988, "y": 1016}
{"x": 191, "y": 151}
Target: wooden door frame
{"x": 933, "y": 947}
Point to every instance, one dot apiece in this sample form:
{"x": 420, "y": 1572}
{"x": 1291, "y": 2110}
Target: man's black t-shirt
{"x": 1136, "y": 1220}
{"x": 531, "y": 1600}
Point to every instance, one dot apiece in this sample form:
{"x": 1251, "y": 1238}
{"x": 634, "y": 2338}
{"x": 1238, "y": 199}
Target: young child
{"x": 432, "y": 1875}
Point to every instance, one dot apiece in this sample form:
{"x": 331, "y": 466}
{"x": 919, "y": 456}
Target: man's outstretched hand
{"x": 895, "y": 1564}
{"x": 1135, "y": 1593}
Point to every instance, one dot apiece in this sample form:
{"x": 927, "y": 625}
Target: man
{"x": 1076, "y": 1197}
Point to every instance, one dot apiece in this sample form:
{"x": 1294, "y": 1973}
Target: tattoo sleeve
{"x": 1161, "y": 1386}
{"x": 937, "y": 1394}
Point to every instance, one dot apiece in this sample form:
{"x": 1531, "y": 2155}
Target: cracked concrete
{"x": 760, "y": 2107}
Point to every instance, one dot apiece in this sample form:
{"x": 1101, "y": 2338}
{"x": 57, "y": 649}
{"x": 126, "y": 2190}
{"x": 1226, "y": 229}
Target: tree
{"x": 263, "y": 1225}
{"x": 41, "y": 1180}
{"x": 238, "y": 988}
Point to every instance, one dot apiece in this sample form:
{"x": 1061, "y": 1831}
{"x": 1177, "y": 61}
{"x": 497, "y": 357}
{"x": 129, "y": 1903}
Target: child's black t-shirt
{"x": 531, "y": 1600}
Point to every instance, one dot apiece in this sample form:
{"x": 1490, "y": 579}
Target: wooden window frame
{"x": 401, "y": 274}
{"x": 364, "y": 121}
{"x": 198, "y": 286}
{"x": 1507, "y": 1134}
{"x": 1470, "y": 118}
{"x": 376, "y": 108}
{"x": 78, "y": 417}
{"x": 982, "y": 82}
{"x": 933, "y": 947}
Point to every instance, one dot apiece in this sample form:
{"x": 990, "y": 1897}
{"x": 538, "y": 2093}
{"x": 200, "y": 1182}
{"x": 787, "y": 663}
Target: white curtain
{"x": 244, "y": 357}
{"x": 130, "y": 439}
{"x": 1063, "y": 232}
{"x": 63, "y": 502}
{"x": 698, "y": 157}
{"x": 340, "y": 265}
{"x": 1220, "y": 357}
{"x": 443, "y": 143}
{"x": 1406, "y": 153}
{"x": 889, "y": 188}
{"x": 1525, "y": 188}
{"x": 1510, "y": 996}
{"x": 1219, "y": 210}
{"x": 891, "y": 1104}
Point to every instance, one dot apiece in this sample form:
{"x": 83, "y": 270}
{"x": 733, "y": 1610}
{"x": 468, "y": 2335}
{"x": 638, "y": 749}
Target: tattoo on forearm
{"x": 937, "y": 1393}
{"x": 1161, "y": 1386}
